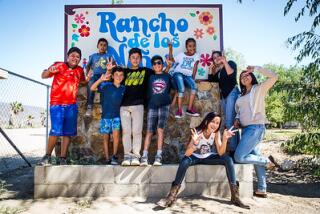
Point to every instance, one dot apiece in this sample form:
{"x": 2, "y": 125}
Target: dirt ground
{"x": 293, "y": 191}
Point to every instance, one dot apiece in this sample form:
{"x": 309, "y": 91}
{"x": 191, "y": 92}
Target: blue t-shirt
{"x": 159, "y": 90}
{"x": 98, "y": 62}
{"x": 112, "y": 98}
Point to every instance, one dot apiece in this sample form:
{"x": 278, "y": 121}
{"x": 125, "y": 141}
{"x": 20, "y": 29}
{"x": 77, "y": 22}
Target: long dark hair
{"x": 206, "y": 120}
{"x": 253, "y": 82}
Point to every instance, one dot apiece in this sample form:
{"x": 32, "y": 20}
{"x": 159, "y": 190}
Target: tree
{"x": 237, "y": 57}
{"x": 305, "y": 96}
{"x": 29, "y": 120}
{"x": 15, "y": 108}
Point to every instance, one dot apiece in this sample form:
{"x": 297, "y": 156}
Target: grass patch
{"x": 9, "y": 210}
{"x": 280, "y": 134}
{"x": 304, "y": 143}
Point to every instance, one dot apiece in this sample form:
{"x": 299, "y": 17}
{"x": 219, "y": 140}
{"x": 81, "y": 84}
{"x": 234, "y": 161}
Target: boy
{"x": 112, "y": 94}
{"x": 131, "y": 111}
{"x": 63, "y": 107}
{"x": 98, "y": 64}
{"x": 158, "y": 108}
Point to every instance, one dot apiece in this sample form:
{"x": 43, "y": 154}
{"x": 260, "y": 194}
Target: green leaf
{"x": 192, "y": 14}
{"x": 73, "y": 44}
{"x": 215, "y": 37}
{"x": 74, "y": 25}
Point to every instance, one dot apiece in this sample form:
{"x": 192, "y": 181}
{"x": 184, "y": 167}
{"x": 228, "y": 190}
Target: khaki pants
{"x": 132, "y": 123}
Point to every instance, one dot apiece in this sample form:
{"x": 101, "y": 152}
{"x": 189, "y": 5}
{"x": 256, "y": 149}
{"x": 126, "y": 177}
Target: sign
{"x": 148, "y": 27}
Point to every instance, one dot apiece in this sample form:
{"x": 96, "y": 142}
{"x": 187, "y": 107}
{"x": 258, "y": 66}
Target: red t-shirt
{"x": 65, "y": 84}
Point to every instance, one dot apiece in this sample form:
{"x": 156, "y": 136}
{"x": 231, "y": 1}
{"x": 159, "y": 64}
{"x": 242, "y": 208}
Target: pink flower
{"x": 205, "y": 60}
{"x": 210, "y": 30}
{"x": 198, "y": 33}
{"x": 79, "y": 18}
{"x": 84, "y": 31}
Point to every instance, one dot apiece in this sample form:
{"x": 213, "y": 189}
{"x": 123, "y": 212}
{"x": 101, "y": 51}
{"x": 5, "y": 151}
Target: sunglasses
{"x": 157, "y": 63}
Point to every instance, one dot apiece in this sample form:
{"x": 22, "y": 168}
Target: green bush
{"x": 305, "y": 143}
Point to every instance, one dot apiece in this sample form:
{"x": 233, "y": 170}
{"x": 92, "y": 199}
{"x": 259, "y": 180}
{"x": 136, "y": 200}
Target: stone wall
{"x": 145, "y": 182}
{"x": 88, "y": 144}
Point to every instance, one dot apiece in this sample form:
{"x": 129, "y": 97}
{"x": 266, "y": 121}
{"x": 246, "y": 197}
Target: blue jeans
{"x": 211, "y": 160}
{"x": 248, "y": 152}
{"x": 181, "y": 81}
{"x": 63, "y": 120}
{"x": 90, "y": 94}
{"x": 227, "y": 105}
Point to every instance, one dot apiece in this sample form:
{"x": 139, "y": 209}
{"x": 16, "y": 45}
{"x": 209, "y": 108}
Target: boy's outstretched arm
{"x": 52, "y": 70}
{"x": 104, "y": 77}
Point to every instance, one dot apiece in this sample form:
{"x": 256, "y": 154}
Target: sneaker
{"x": 114, "y": 160}
{"x": 63, "y": 161}
{"x": 89, "y": 112}
{"x": 135, "y": 161}
{"x": 106, "y": 162}
{"x": 144, "y": 161}
{"x": 192, "y": 112}
{"x": 126, "y": 161}
{"x": 157, "y": 161}
{"x": 45, "y": 160}
{"x": 178, "y": 114}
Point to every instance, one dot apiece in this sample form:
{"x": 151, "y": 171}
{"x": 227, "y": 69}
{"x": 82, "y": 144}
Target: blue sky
{"x": 32, "y": 32}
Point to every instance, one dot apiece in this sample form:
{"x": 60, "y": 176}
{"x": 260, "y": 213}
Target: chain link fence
{"x": 23, "y": 119}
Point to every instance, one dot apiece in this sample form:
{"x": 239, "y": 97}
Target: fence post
{"x": 47, "y": 121}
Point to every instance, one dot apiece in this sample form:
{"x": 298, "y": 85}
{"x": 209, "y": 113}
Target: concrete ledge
{"x": 118, "y": 181}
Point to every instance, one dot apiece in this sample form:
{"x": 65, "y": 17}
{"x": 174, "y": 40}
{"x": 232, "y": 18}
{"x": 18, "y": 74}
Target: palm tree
{"x": 29, "y": 120}
{"x": 15, "y": 108}
{"x": 43, "y": 117}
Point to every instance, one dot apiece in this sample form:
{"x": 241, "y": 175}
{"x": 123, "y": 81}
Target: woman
{"x": 225, "y": 73}
{"x": 206, "y": 147}
{"x": 250, "y": 109}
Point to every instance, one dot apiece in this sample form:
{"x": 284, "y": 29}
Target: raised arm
{"x": 222, "y": 145}
{"x": 51, "y": 71}
{"x": 192, "y": 146}
{"x": 104, "y": 77}
{"x": 271, "y": 77}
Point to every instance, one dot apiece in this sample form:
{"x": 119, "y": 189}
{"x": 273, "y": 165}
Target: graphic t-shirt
{"x": 65, "y": 84}
{"x": 206, "y": 147}
{"x": 98, "y": 62}
{"x": 185, "y": 63}
{"x": 112, "y": 98}
{"x": 159, "y": 90}
{"x": 136, "y": 81}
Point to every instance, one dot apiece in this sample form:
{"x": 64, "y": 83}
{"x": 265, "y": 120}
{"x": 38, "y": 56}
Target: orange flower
{"x": 205, "y": 18}
{"x": 198, "y": 33}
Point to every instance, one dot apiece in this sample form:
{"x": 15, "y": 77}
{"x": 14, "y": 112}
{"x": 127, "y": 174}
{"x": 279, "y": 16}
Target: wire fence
{"x": 23, "y": 119}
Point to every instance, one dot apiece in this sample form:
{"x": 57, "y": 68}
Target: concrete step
{"x": 150, "y": 181}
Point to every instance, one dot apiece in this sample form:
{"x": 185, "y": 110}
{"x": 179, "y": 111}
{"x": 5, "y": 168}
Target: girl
{"x": 184, "y": 73}
{"x": 250, "y": 109}
{"x": 206, "y": 147}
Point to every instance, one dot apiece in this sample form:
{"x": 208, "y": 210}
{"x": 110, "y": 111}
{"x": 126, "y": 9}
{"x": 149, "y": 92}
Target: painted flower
{"x": 201, "y": 72}
{"x": 79, "y": 18}
{"x": 205, "y": 18}
{"x": 205, "y": 60}
{"x": 198, "y": 33}
{"x": 84, "y": 31}
{"x": 210, "y": 30}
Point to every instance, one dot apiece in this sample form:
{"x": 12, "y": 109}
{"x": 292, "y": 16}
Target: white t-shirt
{"x": 206, "y": 147}
{"x": 185, "y": 63}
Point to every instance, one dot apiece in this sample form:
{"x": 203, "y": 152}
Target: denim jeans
{"x": 248, "y": 152}
{"x": 90, "y": 94}
{"x": 211, "y": 160}
{"x": 227, "y": 105}
{"x": 182, "y": 81}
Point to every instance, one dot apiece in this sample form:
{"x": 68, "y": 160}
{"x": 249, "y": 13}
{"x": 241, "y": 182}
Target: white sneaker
{"x": 89, "y": 112}
{"x": 135, "y": 161}
{"x": 126, "y": 161}
{"x": 157, "y": 161}
{"x": 144, "y": 161}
